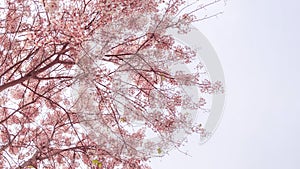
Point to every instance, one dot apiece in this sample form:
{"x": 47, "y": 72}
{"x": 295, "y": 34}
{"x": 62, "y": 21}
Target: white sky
{"x": 258, "y": 45}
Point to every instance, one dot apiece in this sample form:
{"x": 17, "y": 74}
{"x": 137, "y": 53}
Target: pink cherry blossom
{"x": 82, "y": 82}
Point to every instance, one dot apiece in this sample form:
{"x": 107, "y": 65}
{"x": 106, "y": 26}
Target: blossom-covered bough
{"x": 99, "y": 83}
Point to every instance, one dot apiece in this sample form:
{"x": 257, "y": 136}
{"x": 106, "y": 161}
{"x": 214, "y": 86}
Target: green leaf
{"x": 96, "y": 162}
{"x": 159, "y": 150}
{"x": 123, "y": 119}
{"x": 99, "y": 164}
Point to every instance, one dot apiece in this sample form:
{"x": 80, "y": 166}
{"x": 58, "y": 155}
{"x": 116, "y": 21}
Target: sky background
{"x": 258, "y": 43}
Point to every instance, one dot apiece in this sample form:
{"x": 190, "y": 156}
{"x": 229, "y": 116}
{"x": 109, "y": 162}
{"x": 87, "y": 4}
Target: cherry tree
{"x": 87, "y": 83}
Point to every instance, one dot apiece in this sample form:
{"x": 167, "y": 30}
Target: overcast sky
{"x": 258, "y": 43}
